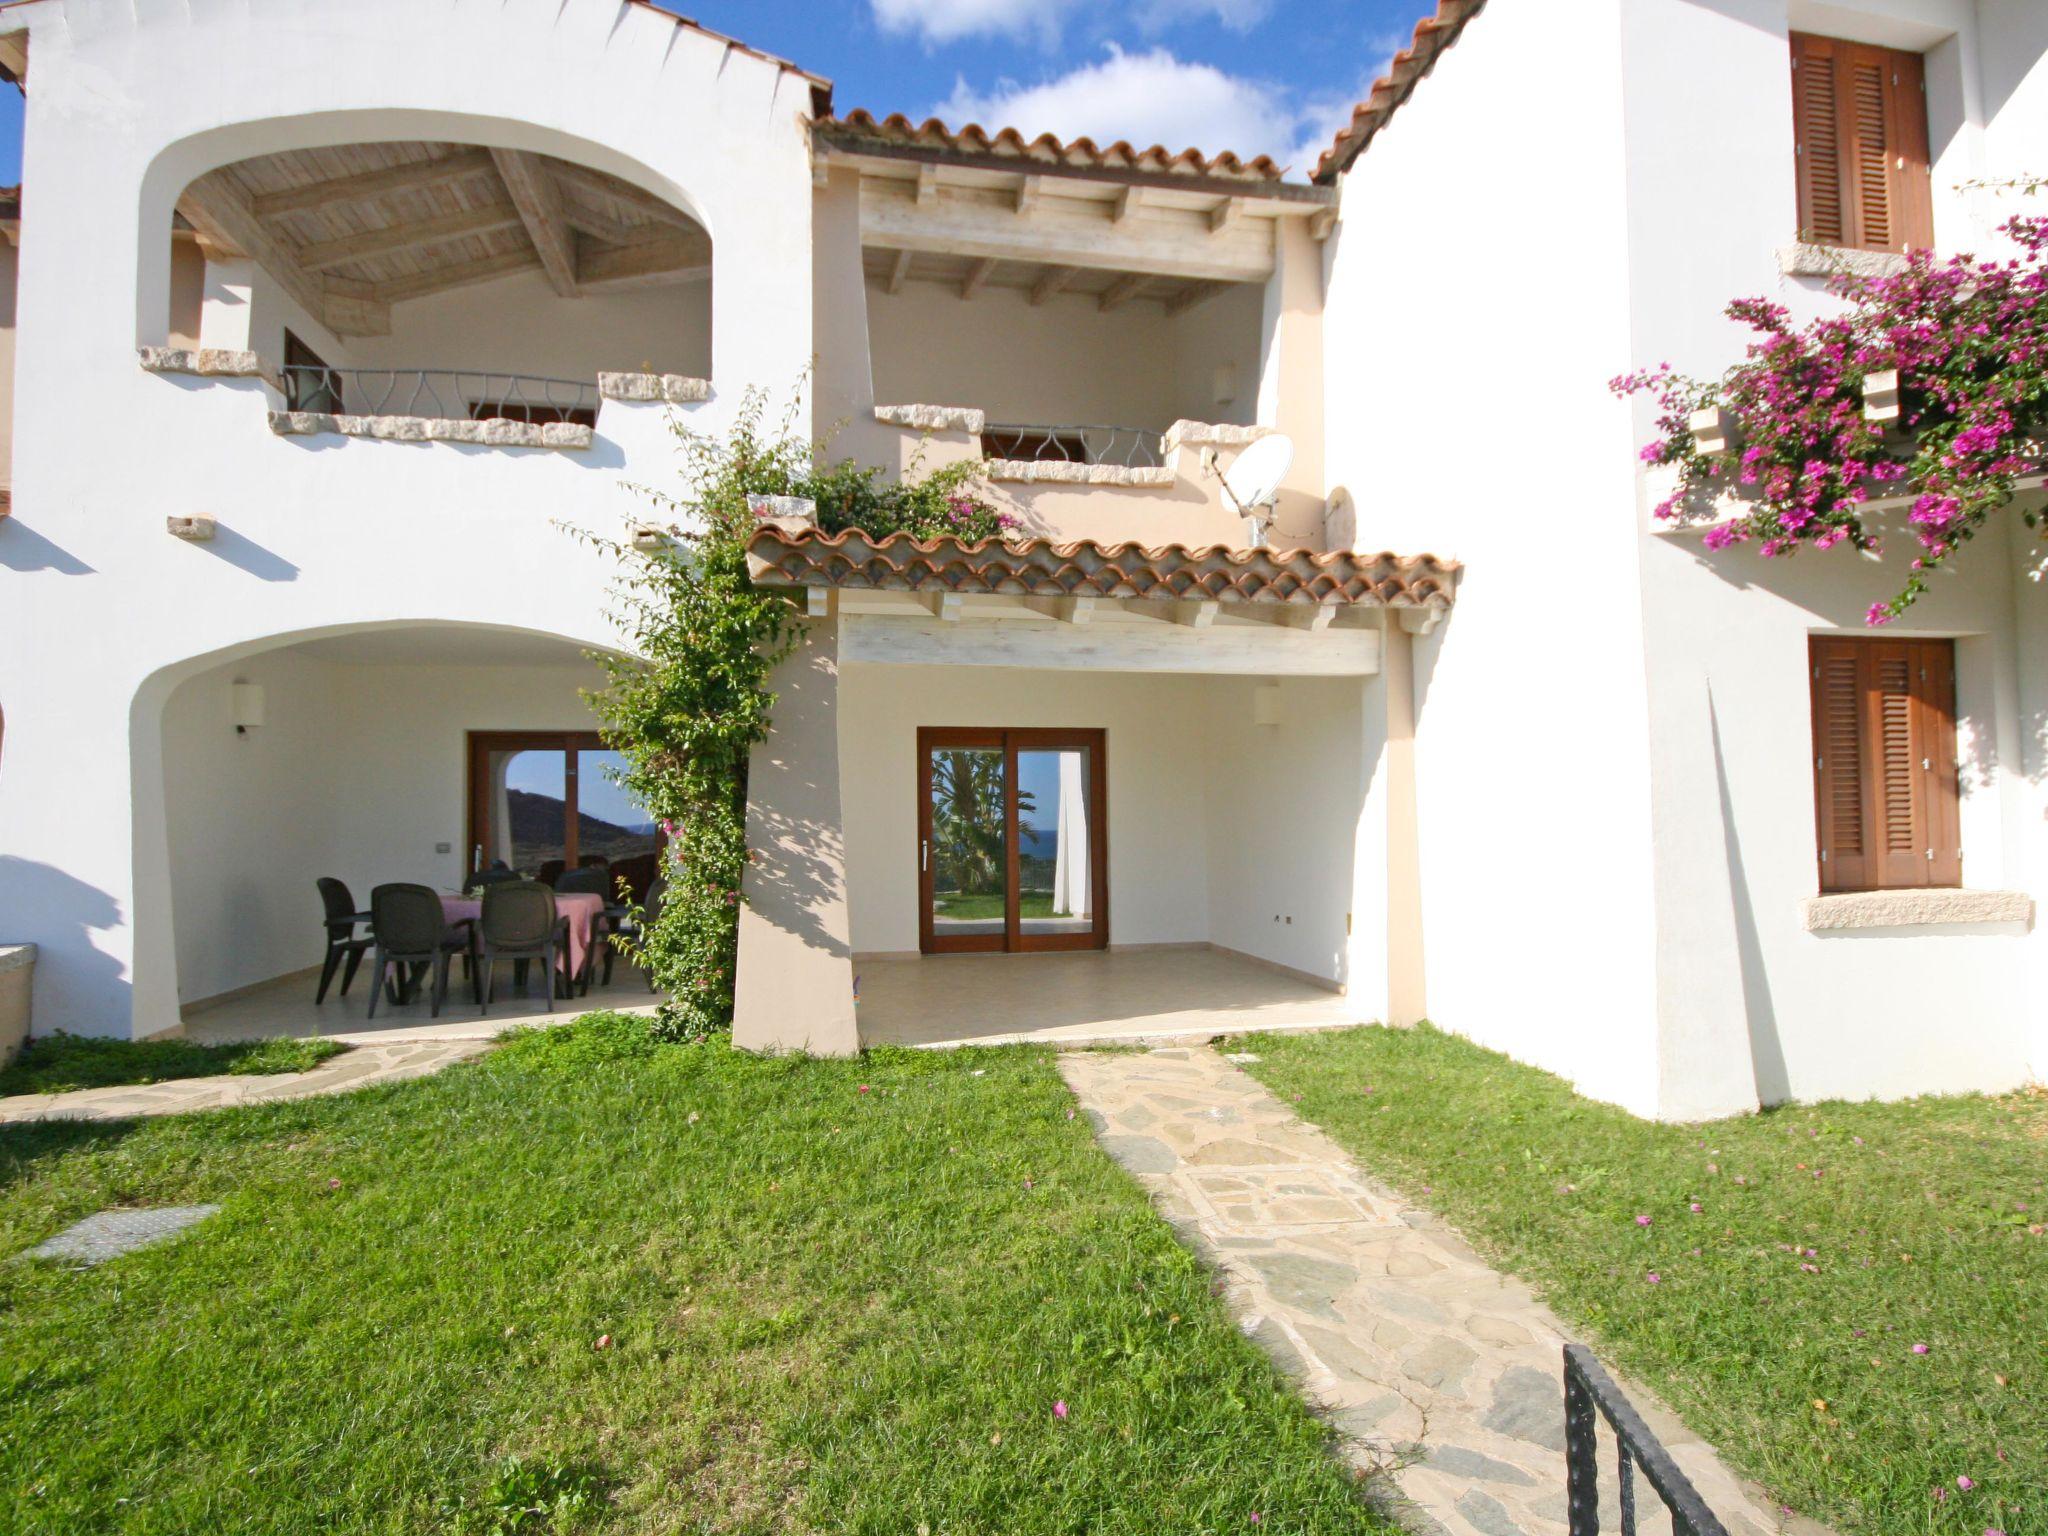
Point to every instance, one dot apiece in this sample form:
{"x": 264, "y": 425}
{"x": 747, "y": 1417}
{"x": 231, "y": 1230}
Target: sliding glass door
{"x": 1012, "y": 840}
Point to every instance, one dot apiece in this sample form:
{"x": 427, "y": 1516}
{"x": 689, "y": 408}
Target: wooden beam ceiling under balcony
{"x": 350, "y": 230}
{"x": 1050, "y": 230}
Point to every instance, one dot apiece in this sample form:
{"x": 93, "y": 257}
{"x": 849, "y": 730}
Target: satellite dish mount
{"x": 1252, "y": 483}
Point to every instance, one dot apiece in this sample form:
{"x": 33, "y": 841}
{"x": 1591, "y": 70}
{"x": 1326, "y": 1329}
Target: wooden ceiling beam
{"x": 647, "y": 203}
{"x": 977, "y": 275}
{"x": 538, "y": 201}
{"x": 602, "y": 226}
{"x": 223, "y": 216}
{"x": 899, "y": 273}
{"x": 409, "y": 236}
{"x": 1193, "y": 294}
{"x": 1053, "y": 280}
{"x": 645, "y": 266}
{"x": 485, "y": 269}
{"x": 967, "y": 227}
{"x": 412, "y": 175}
{"x": 1123, "y": 290}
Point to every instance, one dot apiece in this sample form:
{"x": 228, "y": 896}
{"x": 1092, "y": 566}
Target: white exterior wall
{"x": 105, "y": 613}
{"x": 1473, "y": 316}
{"x": 1616, "y": 809}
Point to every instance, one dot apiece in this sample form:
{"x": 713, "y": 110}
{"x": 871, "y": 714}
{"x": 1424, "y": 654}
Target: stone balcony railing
{"x": 1178, "y": 500}
{"x": 438, "y": 423}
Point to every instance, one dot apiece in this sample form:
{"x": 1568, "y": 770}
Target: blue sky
{"x": 1272, "y": 76}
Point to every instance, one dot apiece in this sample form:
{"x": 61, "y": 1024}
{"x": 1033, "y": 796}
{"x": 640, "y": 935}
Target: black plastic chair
{"x": 343, "y": 942}
{"x": 520, "y": 923}
{"x": 411, "y": 929}
{"x": 497, "y": 874}
{"x": 588, "y": 880}
{"x": 632, "y": 932}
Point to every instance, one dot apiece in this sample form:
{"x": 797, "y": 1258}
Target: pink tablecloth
{"x": 581, "y": 908}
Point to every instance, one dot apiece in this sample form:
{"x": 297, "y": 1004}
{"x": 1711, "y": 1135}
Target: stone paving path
{"x": 1432, "y": 1364}
{"x": 358, "y": 1068}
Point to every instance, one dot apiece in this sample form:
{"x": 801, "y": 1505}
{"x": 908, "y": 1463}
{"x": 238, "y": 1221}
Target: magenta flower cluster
{"x": 1969, "y": 340}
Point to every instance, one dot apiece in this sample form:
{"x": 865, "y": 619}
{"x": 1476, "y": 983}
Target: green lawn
{"x": 976, "y": 908}
{"x": 1791, "y": 1266}
{"x": 59, "y": 1063}
{"x": 689, "y": 1290}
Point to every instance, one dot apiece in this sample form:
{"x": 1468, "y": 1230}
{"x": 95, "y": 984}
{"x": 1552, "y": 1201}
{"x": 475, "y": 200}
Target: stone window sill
{"x": 1063, "y": 472}
{"x": 1916, "y": 909}
{"x": 493, "y": 433}
{"x": 1801, "y": 259}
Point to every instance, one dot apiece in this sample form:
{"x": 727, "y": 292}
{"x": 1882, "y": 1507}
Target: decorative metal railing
{"x": 1131, "y": 446}
{"x": 1589, "y": 1395}
{"x": 445, "y": 393}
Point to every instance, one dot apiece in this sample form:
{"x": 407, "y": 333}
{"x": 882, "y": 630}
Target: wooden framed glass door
{"x": 1012, "y": 840}
{"x": 541, "y": 802}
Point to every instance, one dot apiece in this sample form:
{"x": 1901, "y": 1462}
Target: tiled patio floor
{"x": 286, "y": 1007}
{"x": 1084, "y": 997}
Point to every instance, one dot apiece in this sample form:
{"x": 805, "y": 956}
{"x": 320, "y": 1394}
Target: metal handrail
{"x": 449, "y": 394}
{"x": 1587, "y": 1389}
{"x": 1078, "y": 444}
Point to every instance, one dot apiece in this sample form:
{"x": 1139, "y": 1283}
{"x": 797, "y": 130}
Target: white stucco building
{"x": 333, "y": 327}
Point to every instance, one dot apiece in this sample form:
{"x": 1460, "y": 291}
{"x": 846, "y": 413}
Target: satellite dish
{"x": 1252, "y": 483}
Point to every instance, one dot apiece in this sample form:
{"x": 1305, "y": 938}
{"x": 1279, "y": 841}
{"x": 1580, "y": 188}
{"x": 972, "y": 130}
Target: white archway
{"x": 356, "y": 771}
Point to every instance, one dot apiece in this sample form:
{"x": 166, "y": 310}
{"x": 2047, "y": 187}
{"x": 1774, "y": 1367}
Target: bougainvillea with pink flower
{"x": 1969, "y": 340}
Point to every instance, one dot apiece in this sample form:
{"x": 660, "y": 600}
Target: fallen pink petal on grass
{"x": 1059, "y": 1409}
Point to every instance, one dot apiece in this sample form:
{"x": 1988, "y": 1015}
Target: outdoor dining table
{"x": 582, "y": 908}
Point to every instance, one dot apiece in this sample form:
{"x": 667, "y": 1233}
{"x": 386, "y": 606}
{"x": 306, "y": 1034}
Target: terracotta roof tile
{"x": 898, "y": 132}
{"x": 779, "y": 556}
{"x": 1433, "y": 34}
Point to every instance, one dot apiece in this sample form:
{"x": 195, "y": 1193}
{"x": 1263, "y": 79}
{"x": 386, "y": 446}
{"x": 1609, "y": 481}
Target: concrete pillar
{"x": 1291, "y": 378}
{"x": 225, "y": 305}
{"x": 1407, "y": 1001}
{"x": 794, "y": 990}
{"x": 843, "y": 387}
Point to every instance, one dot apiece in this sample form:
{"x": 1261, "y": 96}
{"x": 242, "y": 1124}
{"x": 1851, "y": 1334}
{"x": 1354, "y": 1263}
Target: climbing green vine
{"x": 690, "y": 701}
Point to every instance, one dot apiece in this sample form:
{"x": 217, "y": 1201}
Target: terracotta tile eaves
{"x": 808, "y": 557}
{"x": 861, "y": 128}
{"x": 1433, "y": 34}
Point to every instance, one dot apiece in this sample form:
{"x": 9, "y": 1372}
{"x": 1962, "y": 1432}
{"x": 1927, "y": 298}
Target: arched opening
{"x": 438, "y": 277}
{"x": 414, "y": 753}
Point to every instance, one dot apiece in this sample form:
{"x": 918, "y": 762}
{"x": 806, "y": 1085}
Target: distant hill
{"x": 537, "y": 831}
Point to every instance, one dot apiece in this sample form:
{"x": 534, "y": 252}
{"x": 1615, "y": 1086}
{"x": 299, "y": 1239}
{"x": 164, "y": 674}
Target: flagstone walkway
{"x": 358, "y": 1068}
{"x": 1433, "y": 1365}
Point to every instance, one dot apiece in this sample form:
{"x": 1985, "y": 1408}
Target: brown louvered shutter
{"x": 1885, "y": 790}
{"x": 1860, "y": 128}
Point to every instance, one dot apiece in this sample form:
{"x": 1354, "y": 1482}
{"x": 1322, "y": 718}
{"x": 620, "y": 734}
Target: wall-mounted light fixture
{"x": 1223, "y": 383}
{"x": 246, "y": 701}
{"x": 1266, "y": 704}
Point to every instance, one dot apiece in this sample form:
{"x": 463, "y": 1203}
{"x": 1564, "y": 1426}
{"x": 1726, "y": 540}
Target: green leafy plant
{"x": 526, "y": 1497}
{"x": 688, "y": 707}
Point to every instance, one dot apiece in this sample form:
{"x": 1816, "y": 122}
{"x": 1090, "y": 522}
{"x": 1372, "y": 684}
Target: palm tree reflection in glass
{"x": 970, "y": 839}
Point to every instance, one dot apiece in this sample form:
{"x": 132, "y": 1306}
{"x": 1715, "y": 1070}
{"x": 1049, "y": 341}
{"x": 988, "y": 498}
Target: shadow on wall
{"x": 245, "y": 553}
{"x": 1766, "y": 1053}
{"x": 794, "y": 869}
{"x": 62, "y": 914}
{"x": 23, "y": 549}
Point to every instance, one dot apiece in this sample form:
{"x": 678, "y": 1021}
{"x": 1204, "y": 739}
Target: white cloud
{"x": 946, "y": 21}
{"x": 1148, "y": 98}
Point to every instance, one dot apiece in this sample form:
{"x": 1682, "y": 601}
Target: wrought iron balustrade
{"x": 1590, "y": 1395}
{"x": 1133, "y": 447}
{"x": 447, "y": 394}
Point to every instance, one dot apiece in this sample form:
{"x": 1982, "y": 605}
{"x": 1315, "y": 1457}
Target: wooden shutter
{"x": 1860, "y": 126}
{"x": 1885, "y": 793}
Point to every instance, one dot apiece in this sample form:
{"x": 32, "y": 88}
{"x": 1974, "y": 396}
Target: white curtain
{"x": 1071, "y": 886}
